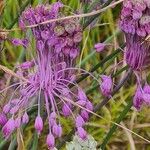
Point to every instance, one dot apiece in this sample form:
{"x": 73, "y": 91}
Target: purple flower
{"x": 66, "y": 110}
{"x": 106, "y": 85}
{"x": 57, "y": 130}
{"x": 19, "y": 42}
{"x": 56, "y": 50}
{"x": 100, "y": 47}
{"x": 79, "y": 121}
{"x": 136, "y": 27}
{"x": 8, "y": 128}
{"x": 38, "y": 124}
{"x": 3, "y": 119}
{"x": 50, "y": 141}
{"x": 138, "y": 98}
{"x": 6, "y": 108}
{"x": 81, "y": 133}
{"x": 25, "y": 118}
{"x": 85, "y": 115}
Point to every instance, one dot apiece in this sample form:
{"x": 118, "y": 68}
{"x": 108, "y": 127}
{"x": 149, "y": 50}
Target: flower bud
{"x": 79, "y": 121}
{"x": 38, "y": 124}
{"x": 100, "y": 47}
{"x": 106, "y": 85}
{"x": 66, "y": 110}
{"x": 138, "y": 99}
{"x": 6, "y": 108}
{"x": 8, "y": 128}
{"x": 89, "y": 106}
{"x": 81, "y": 95}
{"x": 25, "y": 118}
{"x": 52, "y": 118}
{"x": 85, "y": 115}
{"x": 77, "y": 37}
{"x": 57, "y": 130}
{"x": 3, "y": 119}
{"x": 81, "y": 133}
{"x": 50, "y": 141}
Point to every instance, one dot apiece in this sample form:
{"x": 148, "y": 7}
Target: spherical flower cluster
{"x": 135, "y": 22}
{"x": 56, "y": 51}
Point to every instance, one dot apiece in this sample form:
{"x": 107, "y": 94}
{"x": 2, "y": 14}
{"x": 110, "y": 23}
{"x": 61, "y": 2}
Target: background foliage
{"x": 104, "y": 28}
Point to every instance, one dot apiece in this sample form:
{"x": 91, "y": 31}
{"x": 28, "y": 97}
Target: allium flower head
{"x": 57, "y": 46}
{"x": 135, "y": 22}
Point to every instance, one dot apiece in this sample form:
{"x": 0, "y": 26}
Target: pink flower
{"x": 106, "y": 85}
{"x": 81, "y": 133}
{"x": 100, "y": 47}
{"x": 50, "y": 141}
{"x": 38, "y": 124}
{"x": 8, "y": 128}
{"x": 25, "y": 118}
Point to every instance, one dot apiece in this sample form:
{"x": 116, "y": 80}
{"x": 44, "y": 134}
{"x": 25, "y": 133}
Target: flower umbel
{"x": 57, "y": 46}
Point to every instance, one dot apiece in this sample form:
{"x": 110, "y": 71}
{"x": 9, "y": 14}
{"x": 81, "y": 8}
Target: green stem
{"x": 114, "y": 127}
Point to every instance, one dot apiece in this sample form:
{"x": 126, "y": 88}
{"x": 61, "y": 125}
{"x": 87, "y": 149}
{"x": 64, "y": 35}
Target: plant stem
{"x": 114, "y": 127}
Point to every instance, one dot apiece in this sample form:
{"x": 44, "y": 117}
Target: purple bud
{"x": 52, "y": 118}
{"x": 27, "y": 65}
{"x": 45, "y": 35}
{"x": 81, "y": 95}
{"x": 14, "y": 109}
{"x": 81, "y": 102}
{"x": 6, "y": 108}
{"x": 38, "y": 124}
{"x": 77, "y": 37}
{"x": 85, "y": 115}
{"x": 19, "y": 42}
{"x": 3, "y": 119}
{"x": 66, "y": 110}
{"x": 73, "y": 53}
{"x": 50, "y": 141}
{"x": 100, "y": 47}
{"x": 137, "y": 14}
{"x": 70, "y": 27}
{"x": 25, "y": 118}
{"x": 89, "y": 106}
{"x": 17, "y": 122}
{"x": 21, "y": 24}
{"x": 138, "y": 99}
{"x": 57, "y": 130}
{"x": 81, "y": 133}
{"x": 40, "y": 45}
{"x": 106, "y": 85}
{"x": 146, "y": 89}
{"x": 146, "y": 98}
{"x": 8, "y": 128}
{"x": 79, "y": 121}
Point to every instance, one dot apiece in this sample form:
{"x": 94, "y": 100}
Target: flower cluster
{"x": 56, "y": 51}
{"x": 135, "y": 22}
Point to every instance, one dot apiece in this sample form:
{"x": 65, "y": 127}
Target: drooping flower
{"x": 50, "y": 141}
{"x": 3, "y": 119}
{"x": 53, "y": 71}
{"x": 106, "y": 85}
{"x": 8, "y": 128}
{"x": 100, "y": 47}
{"x": 135, "y": 22}
{"x": 38, "y": 124}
